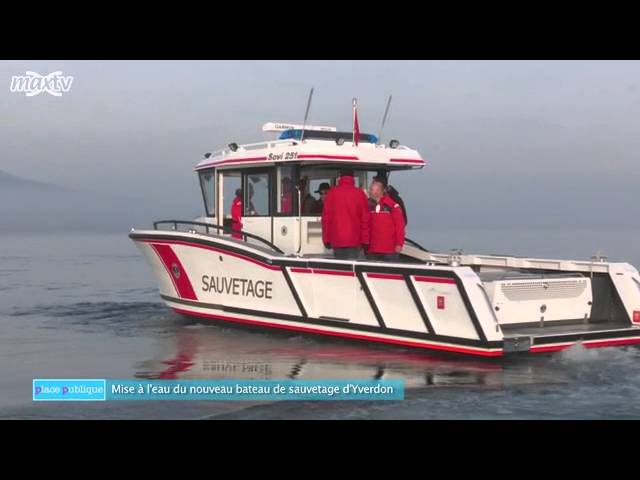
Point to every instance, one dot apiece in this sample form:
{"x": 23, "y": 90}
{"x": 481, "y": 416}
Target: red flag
{"x": 356, "y": 127}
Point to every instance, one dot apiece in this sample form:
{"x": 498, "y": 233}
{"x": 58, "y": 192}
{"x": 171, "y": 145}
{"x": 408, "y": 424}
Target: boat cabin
{"x": 280, "y": 181}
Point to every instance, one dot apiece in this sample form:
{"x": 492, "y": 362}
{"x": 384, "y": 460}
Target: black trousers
{"x": 384, "y": 257}
{"x": 349, "y": 253}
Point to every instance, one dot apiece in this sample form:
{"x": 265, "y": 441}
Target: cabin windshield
{"x": 273, "y": 191}
{"x": 208, "y": 186}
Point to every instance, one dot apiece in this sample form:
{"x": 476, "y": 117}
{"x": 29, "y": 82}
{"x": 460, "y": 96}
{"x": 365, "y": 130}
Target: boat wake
{"x": 119, "y": 318}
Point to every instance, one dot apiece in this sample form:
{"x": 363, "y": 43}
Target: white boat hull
{"x": 434, "y": 307}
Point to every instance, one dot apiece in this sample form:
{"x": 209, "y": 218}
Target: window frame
{"x": 213, "y": 173}
{"x": 272, "y": 176}
{"x": 295, "y": 167}
{"x": 257, "y": 171}
{"x": 221, "y": 173}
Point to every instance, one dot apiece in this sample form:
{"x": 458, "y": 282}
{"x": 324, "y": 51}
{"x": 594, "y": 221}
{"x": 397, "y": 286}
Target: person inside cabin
{"x": 322, "y": 191}
{"x": 286, "y": 199}
{"x": 308, "y": 201}
{"x": 346, "y": 219}
{"x": 387, "y": 223}
{"x": 236, "y": 214}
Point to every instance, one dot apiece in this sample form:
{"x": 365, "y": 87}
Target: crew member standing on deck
{"x": 387, "y": 224}
{"x": 236, "y": 214}
{"x": 345, "y": 219}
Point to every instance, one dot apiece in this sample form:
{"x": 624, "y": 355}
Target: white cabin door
{"x": 228, "y": 183}
{"x": 256, "y": 218}
{"x": 286, "y": 224}
{"x": 286, "y": 232}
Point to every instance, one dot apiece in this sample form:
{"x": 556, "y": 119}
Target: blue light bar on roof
{"x": 295, "y": 134}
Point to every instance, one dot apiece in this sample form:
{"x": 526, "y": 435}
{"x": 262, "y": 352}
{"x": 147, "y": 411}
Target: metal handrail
{"x": 252, "y": 146}
{"x": 217, "y": 227}
{"x": 416, "y": 244}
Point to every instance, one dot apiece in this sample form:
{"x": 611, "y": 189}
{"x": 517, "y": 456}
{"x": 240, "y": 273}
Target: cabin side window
{"x": 208, "y": 186}
{"x": 256, "y": 194}
{"x": 315, "y": 182}
{"x": 286, "y": 191}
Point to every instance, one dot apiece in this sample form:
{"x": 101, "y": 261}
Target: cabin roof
{"x": 314, "y": 150}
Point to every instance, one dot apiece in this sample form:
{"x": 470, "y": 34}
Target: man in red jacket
{"x": 387, "y": 224}
{"x": 346, "y": 219}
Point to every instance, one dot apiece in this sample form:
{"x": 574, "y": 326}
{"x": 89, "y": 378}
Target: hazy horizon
{"x": 509, "y": 144}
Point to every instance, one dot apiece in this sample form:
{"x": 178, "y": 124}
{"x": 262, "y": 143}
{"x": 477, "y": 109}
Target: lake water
{"x": 86, "y": 306}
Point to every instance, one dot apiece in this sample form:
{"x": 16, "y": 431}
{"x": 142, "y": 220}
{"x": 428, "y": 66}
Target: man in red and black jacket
{"x": 387, "y": 224}
{"x": 345, "y": 219}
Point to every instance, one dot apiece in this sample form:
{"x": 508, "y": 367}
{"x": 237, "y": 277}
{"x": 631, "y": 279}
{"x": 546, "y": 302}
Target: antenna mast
{"x": 306, "y": 114}
{"x": 384, "y": 118}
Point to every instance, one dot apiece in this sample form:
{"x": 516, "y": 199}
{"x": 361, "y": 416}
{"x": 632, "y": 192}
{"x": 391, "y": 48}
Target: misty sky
{"x": 505, "y": 140}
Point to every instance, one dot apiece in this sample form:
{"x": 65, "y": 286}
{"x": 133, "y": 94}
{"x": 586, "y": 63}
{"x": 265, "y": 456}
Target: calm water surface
{"x": 86, "y": 306}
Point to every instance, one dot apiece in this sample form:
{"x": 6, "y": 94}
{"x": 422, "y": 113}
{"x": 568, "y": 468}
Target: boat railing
{"x": 269, "y": 144}
{"x": 208, "y": 226}
{"x": 416, "y": 245}
{"x": 274, "y": 143}
{"x": 250, "y": 146}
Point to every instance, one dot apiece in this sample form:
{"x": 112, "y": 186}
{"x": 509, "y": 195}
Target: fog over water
{"x": 509, "y": 144}
{"x": 87, "y": 306}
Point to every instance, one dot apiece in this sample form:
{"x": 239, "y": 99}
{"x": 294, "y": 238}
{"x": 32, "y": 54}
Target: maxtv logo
{"x": 32, "y": 84}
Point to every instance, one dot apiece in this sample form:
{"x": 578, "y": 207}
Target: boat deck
{"x": 556, "y": 337}
{"x": 511, "y": 331}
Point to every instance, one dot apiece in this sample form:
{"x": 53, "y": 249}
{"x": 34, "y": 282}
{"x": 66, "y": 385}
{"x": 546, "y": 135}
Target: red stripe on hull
{"x": 435, "y": 280}
{"x": 206, "y": 247}
{"x": 430, "y": 346}
{"x": 301, "y": 270}
{"x": 176, "y": 271}
{"x": 591, "y": 344}
{"x": 552, "y": 348}
{"x": 340, "y": 273}
{"x": 612, "y": 343}
{"x": 385, "y": 276}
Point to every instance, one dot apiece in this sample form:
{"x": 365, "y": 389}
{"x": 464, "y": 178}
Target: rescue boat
{"x": 279, "y": 275}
